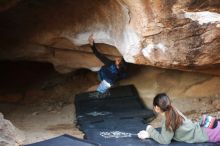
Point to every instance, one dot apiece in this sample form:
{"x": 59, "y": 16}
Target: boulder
{"x": 172, "y": 34}
{"x": 9, "y": 134}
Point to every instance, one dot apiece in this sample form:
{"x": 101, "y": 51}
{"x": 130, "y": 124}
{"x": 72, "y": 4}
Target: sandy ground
{"x": 39, "y": 122}
{"x": 47, "y": 108}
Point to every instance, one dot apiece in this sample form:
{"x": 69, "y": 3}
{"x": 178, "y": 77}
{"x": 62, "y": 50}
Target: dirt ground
{"x": 45, "y": 108}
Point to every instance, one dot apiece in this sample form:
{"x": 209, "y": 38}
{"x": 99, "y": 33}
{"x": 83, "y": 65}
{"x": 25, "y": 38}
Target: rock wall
{"x": 9, "y": 135}
{"x": 174, "y": 34}
{"x": 180, "y": 86}
{"x": 181, "y": 38}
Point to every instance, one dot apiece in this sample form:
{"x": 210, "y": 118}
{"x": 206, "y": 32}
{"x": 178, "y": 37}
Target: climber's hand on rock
{"x": 91, "y": 40}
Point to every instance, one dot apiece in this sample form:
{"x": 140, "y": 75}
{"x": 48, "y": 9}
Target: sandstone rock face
{"x": 169, "y": 34}
{"x": 9, "y": 134}
{"x": 178, "y": 85}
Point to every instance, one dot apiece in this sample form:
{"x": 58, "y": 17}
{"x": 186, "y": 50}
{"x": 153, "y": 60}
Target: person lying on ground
{"x": 111, "y": 72}
{"x": 176, "y": 126}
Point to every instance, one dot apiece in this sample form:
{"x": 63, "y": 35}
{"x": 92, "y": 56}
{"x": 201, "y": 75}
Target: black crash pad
{"x": 65, "y": 140}
{"x": 121, "y": 101}
{"x": 129, "y": 138}
{"x": 120, "y": 109}
{"x": 115, "y": 118}
{"x": 117, "y": 99}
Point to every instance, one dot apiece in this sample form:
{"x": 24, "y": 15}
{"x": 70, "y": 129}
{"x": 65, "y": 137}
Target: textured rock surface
{"x": 169, "y": 34}
{"x": 9, "y": 134}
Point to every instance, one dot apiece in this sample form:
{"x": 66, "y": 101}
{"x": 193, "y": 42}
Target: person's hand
{"x": 143, "y": 134}
{"x": 91, "y": 40}
{"x": 148, "y": 127}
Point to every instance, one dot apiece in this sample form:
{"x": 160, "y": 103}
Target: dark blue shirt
{"x": 109, "y": 71}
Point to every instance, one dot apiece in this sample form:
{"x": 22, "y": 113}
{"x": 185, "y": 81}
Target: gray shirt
{"x": 188, "y": 132}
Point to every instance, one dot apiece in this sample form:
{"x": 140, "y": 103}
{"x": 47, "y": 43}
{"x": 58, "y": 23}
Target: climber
{"x": 111, "y": 71}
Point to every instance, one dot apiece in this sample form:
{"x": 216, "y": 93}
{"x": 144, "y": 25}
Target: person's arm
{"x": 164, "y": 137}
{"x": 124, "y": 70}
{"x": 100, "y": 56}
